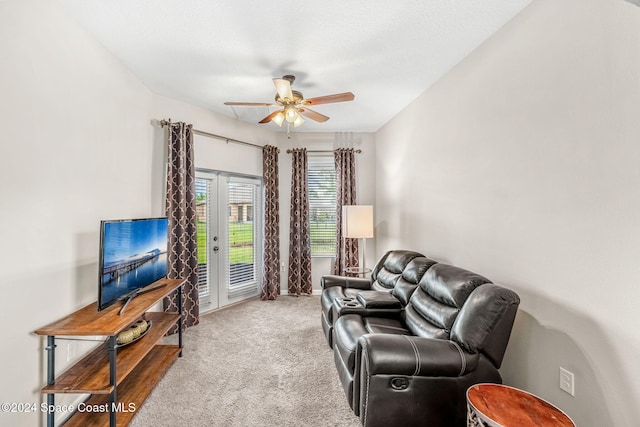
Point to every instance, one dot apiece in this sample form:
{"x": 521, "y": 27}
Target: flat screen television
{"x": 133, "y": 254}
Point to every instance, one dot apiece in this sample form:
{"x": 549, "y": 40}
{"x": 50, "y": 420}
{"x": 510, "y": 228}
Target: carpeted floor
{"x": 259, "y": 363}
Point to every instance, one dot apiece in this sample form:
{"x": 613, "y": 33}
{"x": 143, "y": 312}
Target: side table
{"x": 497, "y": 405}
{"x": 360, "y": 271}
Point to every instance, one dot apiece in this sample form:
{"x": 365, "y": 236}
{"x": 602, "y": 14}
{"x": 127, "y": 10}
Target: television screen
{"x": 133, "y": 254}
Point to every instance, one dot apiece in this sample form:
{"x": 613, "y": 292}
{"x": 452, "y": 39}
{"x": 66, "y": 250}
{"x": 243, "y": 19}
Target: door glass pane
{"x": 202, "y": 218}
{"x": 241, "y": 231}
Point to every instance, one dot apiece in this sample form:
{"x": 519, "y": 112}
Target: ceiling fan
{"x": 293, "y": 104}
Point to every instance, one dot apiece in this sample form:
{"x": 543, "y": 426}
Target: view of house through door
{"x": 229, "y": 238}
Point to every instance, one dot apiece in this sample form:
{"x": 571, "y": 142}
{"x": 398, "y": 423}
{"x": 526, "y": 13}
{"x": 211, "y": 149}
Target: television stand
{"x": 118, "y": 378}
{"x": 135, "y": 293}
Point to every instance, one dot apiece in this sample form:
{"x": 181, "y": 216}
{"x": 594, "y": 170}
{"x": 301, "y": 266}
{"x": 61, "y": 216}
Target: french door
{"x": 229, "y": 238}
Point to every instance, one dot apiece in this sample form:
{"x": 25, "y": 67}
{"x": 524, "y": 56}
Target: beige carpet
{"x": 259, "y": 363}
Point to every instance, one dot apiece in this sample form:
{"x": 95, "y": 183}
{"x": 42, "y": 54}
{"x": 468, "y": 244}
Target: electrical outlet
{"x": 567, "y": 381}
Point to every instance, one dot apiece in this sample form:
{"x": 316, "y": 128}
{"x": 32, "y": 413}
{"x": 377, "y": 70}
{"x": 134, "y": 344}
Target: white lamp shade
{"x": 357, "y": 221}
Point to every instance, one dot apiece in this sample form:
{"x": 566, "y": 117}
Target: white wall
{"x": 213, "y": 153}
{"x": 75, "y": 148}
{"x": 522, "y": 164}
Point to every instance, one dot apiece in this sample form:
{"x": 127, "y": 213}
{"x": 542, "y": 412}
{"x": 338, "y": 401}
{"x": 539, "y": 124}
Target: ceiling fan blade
{"x": 283, "y": 87}
{"x": 338, "y": 97}
{"x": 270, "y": 117}
{"x": 252, "y": 104}
{"x": 313, "y": 115}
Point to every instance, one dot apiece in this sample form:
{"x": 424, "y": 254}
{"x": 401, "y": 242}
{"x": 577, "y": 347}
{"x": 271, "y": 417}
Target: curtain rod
{"x": 323, "y": 151}
{"x": 164, "y": 123}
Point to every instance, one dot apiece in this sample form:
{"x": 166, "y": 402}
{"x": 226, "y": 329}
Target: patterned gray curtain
{"x": 346, "y": 249}
{"x": 271, "y": 262}
{"x": 299, "y": 238}
{"x": 181, "y": 212}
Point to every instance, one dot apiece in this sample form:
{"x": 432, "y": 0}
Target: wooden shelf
{"x": 122, "y": 376}
{"x": 88, "y": 321}
{"x": 134, "y": 390}
{"x": 91, "y": 374}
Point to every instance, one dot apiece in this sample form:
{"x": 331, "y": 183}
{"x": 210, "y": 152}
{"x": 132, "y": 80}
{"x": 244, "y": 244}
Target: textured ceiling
{"x": 207, "y": 52}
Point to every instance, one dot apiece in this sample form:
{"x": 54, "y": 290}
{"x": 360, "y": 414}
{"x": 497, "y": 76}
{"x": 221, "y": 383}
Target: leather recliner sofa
{"x": 410, "y": 365}
{"x": 384, "y": 276}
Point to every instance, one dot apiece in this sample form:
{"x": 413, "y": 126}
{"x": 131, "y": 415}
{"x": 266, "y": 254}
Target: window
{"x": 322, "y": 205}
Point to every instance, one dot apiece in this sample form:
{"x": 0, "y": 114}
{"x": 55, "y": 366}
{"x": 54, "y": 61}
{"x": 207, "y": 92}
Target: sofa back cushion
{"x": 441, "y": 294}
{"x": 484, "y": 324}
{"x": 411, "y": 276}
{"x": 389, "y": 269}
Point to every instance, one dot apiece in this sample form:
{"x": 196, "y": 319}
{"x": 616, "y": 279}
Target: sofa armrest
{"x": 345, "y": 282}
{"x": 378, "y": 299}
{"x": 413, "y": 356}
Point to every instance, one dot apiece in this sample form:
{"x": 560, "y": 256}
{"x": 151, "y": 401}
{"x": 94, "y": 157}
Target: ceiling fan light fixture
{"x": 293, "y": 104}
{"x": 298, "y": 121}
{"x": 279, "y": 118}
{"x": 291, "y": 114}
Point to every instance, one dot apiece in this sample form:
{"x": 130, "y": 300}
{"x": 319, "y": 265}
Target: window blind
{"x": 242, "y": 263}
{"x": 321, "y": 177}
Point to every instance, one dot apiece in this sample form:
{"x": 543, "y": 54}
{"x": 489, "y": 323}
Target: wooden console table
{"x": 118, "y": 379}
{"x": 497, "y": 405}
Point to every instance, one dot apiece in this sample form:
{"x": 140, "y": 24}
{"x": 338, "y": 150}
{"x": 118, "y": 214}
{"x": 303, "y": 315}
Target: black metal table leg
{"x": 180, "y": 318}
{"x": 51, "y": 379}
{"x": 112, "y": 380}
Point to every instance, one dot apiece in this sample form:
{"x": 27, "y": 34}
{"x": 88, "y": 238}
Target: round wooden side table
{"x": 497, "y": 405}
{"x": 359, "y": 271}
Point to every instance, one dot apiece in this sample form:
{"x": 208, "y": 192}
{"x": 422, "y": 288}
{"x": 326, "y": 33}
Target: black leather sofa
{"x": 406, "y": 355}
{"x": 384, "y": 277}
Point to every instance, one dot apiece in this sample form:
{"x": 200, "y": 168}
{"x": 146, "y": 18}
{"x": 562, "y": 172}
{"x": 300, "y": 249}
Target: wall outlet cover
{"x": 567, "y": 381}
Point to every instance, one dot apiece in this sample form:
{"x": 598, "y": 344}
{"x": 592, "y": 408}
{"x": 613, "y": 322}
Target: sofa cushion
{"x": 434, "y": 306}
{"x": 350, "y": 327}
{"x": 451, "y": 285}
{"x": 377, "y": 299}
{"x": 420, "y": 327}
{"x": 389, "y": 268}
{"x": 484, "y": 323}
{"x": 383, "y": 325}
{"x": 411, "y": 275}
